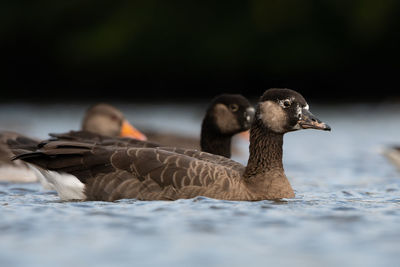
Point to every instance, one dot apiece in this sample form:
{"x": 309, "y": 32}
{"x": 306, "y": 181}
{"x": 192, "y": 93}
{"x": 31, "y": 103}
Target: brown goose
{"x": 110, "y": 172}
{"x": 101, "y": 118}
{"x": 227, "y": 115}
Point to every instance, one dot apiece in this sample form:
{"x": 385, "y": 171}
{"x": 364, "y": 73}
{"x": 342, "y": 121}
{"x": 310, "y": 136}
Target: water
{"x": 346, "y": 211}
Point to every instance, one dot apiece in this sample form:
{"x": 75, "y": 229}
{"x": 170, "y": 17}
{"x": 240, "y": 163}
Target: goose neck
{"x": 213, "y": 141}
{"x": 265, "y": 152}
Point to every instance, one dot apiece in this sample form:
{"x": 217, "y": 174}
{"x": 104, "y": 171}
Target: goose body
{"x": 110, "y": 172}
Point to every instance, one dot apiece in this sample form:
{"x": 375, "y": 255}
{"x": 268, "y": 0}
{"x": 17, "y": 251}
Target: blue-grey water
{"x": 346, "y": 211}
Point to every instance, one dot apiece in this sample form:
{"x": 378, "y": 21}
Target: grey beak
{"x": 249, "y": 115}
{"x": 309, "y": 121}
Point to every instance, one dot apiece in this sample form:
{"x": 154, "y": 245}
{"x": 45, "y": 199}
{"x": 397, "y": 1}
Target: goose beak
{"x": 309, "y": 121}
{"x": 127, "y": 130}
{"x": 249, "y": 116}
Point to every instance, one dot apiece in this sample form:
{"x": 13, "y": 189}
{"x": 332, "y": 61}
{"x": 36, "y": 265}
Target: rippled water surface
{"x": 346, "y": 211}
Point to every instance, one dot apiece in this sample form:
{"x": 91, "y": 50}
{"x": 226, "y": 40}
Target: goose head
{"x": 106, "y": 120}
{"x": 285, "y": 110}
{"x": 231, "y": 113}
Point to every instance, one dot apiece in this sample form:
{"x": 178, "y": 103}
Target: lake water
{"x": 346, "y": 211}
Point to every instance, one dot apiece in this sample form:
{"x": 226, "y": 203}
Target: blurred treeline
{"x": 327, "y": 49}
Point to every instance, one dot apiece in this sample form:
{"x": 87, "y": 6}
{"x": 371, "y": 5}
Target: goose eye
{"x": 114, "y": 118}
{"x": 286, "y": 103}
{"x": 234, "y": 107}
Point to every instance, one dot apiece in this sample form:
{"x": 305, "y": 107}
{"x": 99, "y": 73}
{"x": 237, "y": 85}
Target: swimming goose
{"x": 109, "y": 173}
{"x": 101, "y": 118}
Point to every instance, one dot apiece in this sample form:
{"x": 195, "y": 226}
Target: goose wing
{"x": 18, "y": 142}
{"x": 112, "y": 172}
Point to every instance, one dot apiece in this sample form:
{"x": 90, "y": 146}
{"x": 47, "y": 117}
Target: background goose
{"x": 227, "y": 115}
{"x": 107, "y": 120}
{"x": 15, "y": 171}
{"x": 101, "y": 118}
{"x": 110, "y": 172}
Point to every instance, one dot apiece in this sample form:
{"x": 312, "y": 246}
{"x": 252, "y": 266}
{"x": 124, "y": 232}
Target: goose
{"x": 100, "y": 118}
{"x": 226, "y": 115}
{"x": 108, "y": 173}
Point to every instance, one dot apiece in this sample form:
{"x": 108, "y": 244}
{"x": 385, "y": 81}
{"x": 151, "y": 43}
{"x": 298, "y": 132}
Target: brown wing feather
{"x": 79, "y": 159}
{"x": 12, "y": 143}
{"x": 91, "y": 138}
{"x": 145, "y": 173}
{"x": 158, "y": 174}
{"x": 220, "y": 160}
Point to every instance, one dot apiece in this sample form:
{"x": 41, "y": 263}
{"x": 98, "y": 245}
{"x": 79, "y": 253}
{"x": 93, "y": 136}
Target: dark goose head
{"x": 285, "y": 110}
{"x": 105, "y": 119}
{"x": 227, "y": 115}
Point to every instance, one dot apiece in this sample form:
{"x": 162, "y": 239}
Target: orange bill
{"x": 245, "y": 135}
{"x": 127, "y": 130}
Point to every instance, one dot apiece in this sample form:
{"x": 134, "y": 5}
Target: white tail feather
{"x": 67, "y": 186}
{"x": 39, "y": 174}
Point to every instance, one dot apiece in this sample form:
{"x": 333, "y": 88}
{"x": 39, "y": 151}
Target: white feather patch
{"x": 39, "y": 175}
{"x": 67, "y": 186}
{"x": 273, "y": 116}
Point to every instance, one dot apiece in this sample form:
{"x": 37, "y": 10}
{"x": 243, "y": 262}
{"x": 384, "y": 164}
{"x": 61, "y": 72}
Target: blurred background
{"x": 332, "y": 51}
